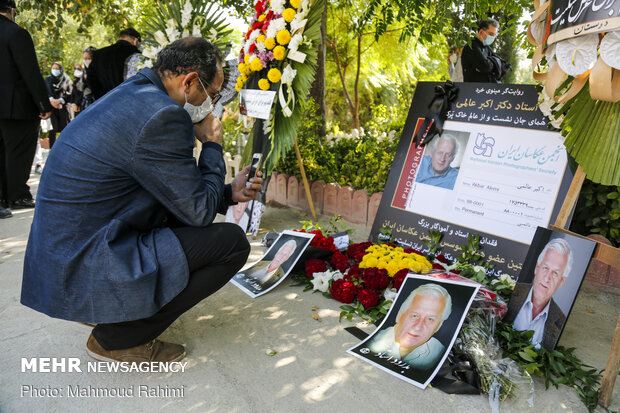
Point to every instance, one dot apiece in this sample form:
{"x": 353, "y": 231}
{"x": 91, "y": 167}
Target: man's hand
{"x": 75, "y": 107}
{"x": 45, "y": 115}
{"x": 209, "y": 130}
{"x": 241, "y": 193}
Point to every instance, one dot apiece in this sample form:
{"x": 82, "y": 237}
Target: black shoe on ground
{"x": 5, "y": 213}
{"x": 22, "y": 204}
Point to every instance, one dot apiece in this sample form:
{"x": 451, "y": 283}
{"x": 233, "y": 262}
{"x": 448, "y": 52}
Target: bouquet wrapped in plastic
{"x": 501, "y": 378}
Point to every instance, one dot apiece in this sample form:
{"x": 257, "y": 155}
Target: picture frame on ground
{"x": 546, "y": 289}
{"x": 247, "y": 215}
{"x": 418, "y": 332}
{"x": 264, "y": 275}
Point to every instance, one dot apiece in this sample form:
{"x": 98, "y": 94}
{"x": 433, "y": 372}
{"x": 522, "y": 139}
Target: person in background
{"x": 87, "y": 95}
{"x": 23, "y": 103}
{"x": 60, "y": 89}
{"x": 109, "y": 65}
{"x": 77, "y": 97}
{"x": 455, "y": 68}
{"x": 477, "y": 62}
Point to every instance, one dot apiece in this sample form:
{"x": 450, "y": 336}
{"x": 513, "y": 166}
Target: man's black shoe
{"x": 5, "y": 213}
{"x": 22, "y": 203}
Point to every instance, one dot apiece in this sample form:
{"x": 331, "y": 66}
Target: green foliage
{"x": 559, "y": 366}
{"x": 598, "y": 211}
{"x": 379, "y": 311}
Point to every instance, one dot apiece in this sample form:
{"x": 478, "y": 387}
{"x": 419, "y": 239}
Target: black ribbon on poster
{"x": 437, "y": 113}
{"x": 456, "y": 376}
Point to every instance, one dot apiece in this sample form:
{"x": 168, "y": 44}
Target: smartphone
{"x": 254, "y": 166}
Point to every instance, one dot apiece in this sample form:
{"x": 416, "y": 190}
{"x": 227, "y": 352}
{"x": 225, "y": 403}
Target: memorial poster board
{"x": 507, "y": 177}
{"x": 570, "y": 18}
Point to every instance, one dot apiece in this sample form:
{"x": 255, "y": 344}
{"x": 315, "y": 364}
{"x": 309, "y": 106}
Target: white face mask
{"x": 87, "y": 62}
{"x": 453, "y": 58}
{"x": 77, "y": 73}
{"x": 198, "y": 113}
{"x": 489, "y": 40}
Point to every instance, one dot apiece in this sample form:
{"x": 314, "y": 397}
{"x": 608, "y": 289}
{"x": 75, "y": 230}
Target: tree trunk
{"x": 356, "y": 102}
{"x": 317, "y": 91}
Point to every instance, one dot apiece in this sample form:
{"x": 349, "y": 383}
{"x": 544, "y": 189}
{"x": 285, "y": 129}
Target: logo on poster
{"x": 484, "y": 145}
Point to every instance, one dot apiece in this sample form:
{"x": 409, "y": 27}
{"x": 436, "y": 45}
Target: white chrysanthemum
{"x": 578, "y": 54}
{"x": 196, "y": 31}
{"x": 288, "y": 74}
{"x": 507, "y": 279}
{"x": 185, "y": 33}
{"x": 261, "y": 47}
{"x": 275, "y": 26}
{"x": 186, "y": 14}
{"x": 320, "y": 281}
{"x": 253, "y": 36}
{"x": 610, "y": 49}
{"x": 390, "y": 294}
{"x": 545, "y": 105}
{"x": 160, "y": 38}
{"x": 278, "y": 6}
{"x": 296, "y": 40}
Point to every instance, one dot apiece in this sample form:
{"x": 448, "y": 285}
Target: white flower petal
{"x": 610, "y": 49}
{"x": 578, "y": 54}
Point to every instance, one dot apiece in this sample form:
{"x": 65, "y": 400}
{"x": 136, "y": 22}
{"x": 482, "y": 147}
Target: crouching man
{"x": 123, "y": 233}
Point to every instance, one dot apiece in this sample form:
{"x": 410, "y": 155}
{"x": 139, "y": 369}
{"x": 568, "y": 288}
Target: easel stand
{"x": 608, "y": 255}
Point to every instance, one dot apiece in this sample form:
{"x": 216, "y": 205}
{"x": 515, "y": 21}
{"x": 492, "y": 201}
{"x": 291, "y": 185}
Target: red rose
{"x": 411, "y": 251}
{"x": 357, "y": 251}
{"x": 441, "y": 258}
{"x": 368, "y": 298}
{"x": 343, "y": 291}
{"x": 353, "y": 273}
{"x": 399, "y": 277}
{"x": 315, "y": 265}
{"x": 340, "y": 261}
{"x": 437, "y": 266}
{"x": 375, "y": 279}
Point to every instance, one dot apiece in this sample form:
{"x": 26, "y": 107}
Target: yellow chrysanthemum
{"x": 243, "y": 77}
{"x": 295, "y": 3}
{"x": 274, "y": 75}
{"x": 260, "y": 39}
{"x": 283, "y": 37}
{"x": 264, "y": 84}
{"x": 270, "y": 43}
{"x": 261, "y": 17}
{"x": 246, "y": 59}
{"x": 289, "y": 15}
{"x": 242, "y": 67}
{"x": 256, "y": 65}
{"x": 278, "y": 52}
{"x": 238, "y": 86}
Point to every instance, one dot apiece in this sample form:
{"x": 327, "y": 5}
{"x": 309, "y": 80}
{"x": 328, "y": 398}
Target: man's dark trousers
{"x": 18, "y": 144}
{"x": 214, "y": 255}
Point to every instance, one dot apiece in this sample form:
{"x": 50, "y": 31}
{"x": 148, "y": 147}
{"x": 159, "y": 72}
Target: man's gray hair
{"x": 560, "y": 246}
{"x": 290, "y": 244}
{"x": 446, "y": 137}
{"x": 433, "y": 290}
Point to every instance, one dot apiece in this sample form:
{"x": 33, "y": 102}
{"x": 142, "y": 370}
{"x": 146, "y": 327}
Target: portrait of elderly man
{"x": 532, "y": 306}
{"x": 411, "y": 339}
{"x": 266, "y": 272}
{"x": 435, "y": 167}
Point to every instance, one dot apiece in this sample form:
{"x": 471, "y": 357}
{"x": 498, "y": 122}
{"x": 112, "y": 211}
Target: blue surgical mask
{"x": 198, "y": 113}
{"x": 56, "y": 72}
{"x": 489, "y": 40}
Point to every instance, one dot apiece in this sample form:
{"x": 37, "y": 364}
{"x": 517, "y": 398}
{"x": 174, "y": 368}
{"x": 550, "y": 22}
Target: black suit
{"x": 477, "y": 64}
{"x": 23, "y": 97}
{"x": 107, "y": 70}
{"x": 555, "y": 318}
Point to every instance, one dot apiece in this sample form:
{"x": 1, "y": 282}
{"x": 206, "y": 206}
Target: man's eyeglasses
{"x": 216, "y": 95}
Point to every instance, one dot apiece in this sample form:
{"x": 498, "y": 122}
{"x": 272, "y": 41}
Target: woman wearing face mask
{"x": 455, "y": 69}
{"x": 59, "y": 89}
{"x": 87, "y": 94}
{"x": 78, "y": 89}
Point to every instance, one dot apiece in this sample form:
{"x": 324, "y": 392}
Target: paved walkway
{"x": 229, "y": 337}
